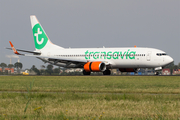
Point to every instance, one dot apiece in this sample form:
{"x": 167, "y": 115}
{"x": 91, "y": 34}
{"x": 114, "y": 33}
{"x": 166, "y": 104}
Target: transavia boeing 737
{"x": 126, "y": 59}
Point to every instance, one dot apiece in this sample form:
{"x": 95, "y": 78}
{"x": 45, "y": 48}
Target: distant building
{"x": 78, "y": 70}
{"x": 73, "y": 70}
{"x": 10, "y": 70}
{"x": 176, "y": 71}
{"x": 114, "y": 71}
{"x": 69, "y": 70}
{"x": 166, "y": 72}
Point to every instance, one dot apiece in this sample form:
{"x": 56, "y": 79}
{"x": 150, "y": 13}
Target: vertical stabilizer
{"x": 41, "y": 40}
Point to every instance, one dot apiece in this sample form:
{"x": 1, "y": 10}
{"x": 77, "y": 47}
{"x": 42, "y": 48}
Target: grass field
{"x": 90, "y": 97}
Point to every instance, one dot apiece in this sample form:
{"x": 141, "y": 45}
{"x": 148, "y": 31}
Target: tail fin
{"x": 41, "y": 39}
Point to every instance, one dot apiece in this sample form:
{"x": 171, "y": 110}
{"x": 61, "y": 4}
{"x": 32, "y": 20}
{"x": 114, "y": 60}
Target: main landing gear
{"x": 156, "y": 73}
{"x": 106, "y": 72}
{"x": 86, "y": 73}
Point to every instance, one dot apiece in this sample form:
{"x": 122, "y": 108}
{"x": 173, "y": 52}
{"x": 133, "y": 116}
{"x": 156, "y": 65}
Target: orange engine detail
{"x": 96, "y": 66}
{"x": 86, "y": 67}
{"x": 128, "y": 69}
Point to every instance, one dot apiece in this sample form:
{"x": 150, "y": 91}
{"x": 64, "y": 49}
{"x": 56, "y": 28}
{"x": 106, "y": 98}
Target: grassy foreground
{"x": 102, "y": 97}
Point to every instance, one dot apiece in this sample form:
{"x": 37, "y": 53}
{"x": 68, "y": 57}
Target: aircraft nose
{"x": 167, "y": 60}
{"x": 170, "y": 59}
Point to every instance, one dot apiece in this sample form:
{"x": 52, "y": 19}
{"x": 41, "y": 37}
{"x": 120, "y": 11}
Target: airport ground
{"x": 90, "y": 97}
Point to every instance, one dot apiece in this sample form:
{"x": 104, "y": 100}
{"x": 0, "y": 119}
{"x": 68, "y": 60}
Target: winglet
{"x": 12, "y": 46}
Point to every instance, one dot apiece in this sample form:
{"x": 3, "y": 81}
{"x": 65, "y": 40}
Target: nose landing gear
{"x": 156, "y": 73}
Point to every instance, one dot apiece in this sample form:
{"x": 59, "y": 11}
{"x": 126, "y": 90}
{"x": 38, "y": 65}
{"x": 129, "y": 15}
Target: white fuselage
{"x": 114, "y": 57}
{"x": 127, "y": 59}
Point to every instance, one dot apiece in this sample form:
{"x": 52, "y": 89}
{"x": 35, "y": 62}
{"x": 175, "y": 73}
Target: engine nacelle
{"x": 128, "y": 69}
{"x": 96, "y": 66}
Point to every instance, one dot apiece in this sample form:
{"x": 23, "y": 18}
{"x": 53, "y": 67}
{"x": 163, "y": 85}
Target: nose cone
{"x": 169, "y": 60}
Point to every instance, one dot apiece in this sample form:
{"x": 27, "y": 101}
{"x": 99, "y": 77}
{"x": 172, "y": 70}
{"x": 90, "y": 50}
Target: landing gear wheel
{"x": 86, "y": 73}
{"x": 156, "y": 73}
{"x": 107, "y": 72}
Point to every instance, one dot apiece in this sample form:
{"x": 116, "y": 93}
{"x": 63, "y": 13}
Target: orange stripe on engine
{"x": 95, "y": 66}
{"x": 86, "y": 67}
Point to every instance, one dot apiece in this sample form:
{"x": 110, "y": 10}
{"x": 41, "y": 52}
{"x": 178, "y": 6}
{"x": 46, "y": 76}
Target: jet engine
{"x": 128, "y": 69}
{"x": 96, "y": 66}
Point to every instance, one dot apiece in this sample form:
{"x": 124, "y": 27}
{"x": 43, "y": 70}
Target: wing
{"x": 52, "y": 60}
{"x": 72, "y": 63}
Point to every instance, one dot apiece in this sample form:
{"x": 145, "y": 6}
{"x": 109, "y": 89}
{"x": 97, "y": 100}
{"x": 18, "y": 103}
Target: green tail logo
{"x": 40, "y": 38}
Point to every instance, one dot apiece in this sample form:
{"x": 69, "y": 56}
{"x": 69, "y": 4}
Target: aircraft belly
{"x": 130, "y": 63}
{"x": 123, "y": 64}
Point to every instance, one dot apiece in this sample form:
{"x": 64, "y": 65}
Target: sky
{"x": 91, "y": 23}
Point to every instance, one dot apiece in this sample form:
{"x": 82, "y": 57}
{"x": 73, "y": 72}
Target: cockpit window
{"x": 164, "y": 54}
{"x": 161, "y": 54}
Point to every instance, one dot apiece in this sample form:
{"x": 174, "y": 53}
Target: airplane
{"x": 126, "y": 59}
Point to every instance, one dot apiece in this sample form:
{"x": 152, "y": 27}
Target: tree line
{"x": 49, "y": 70}
{"x": 17, "y": 65}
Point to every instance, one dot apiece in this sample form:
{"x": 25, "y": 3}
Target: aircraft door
{"x": 148, "y": 56}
